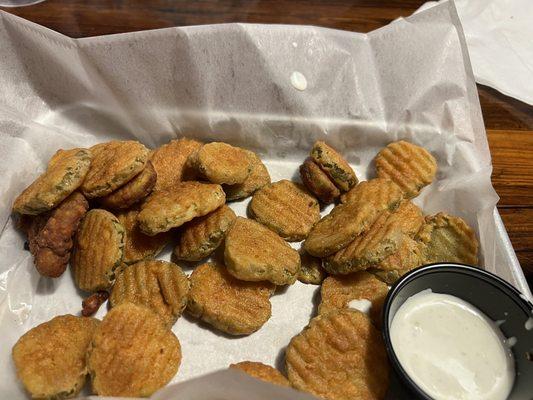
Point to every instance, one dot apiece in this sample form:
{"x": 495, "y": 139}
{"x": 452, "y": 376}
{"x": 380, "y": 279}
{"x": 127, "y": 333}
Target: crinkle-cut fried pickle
{"x": 258, "y": 178}
{"x": 132, "y": 353}
{"x": 159, "y": 285}
{"x": 410, "y": 166}
{"x": 137, "y": 245}
{"x": 334, "y": 165}
{"x": 165, "y": 210}
{"x": 261, "y": 371}
{"x": 338, "y": 291}
{"x": 339, "y": 356}
{"x": 254, "y": 253}
{"x": 50, "y": 235}
{"x": 286, "y": 208}
{"x": 447, "y": 238}
{"x": 378, "y": 191}
{"x": 133, "y": 191}
{"x": 222, "y": 163}
{"x": 318, "y": 182}
{"x": 113, "y": 165}
{"x": 228, "y": 304}
{"x": 381, "y": 240}
{"x": 201, "y": 236}
{"x": 65, "y": 173}
{"x": 98, "y": 251}
{"x": 50, "y": 358}
{"x": 311, "y": 270}
{"x": 170, "y": 162}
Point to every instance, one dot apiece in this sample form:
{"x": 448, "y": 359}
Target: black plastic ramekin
{"x": 490, "y": 294}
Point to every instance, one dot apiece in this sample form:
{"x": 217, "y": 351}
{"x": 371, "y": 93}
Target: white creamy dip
{"x": 450, "y": 349}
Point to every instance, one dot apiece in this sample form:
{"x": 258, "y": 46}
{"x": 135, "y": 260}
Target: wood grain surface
{"x": 509, "y": 122}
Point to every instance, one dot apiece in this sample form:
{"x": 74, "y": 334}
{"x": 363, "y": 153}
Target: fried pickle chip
{"x": 201, "y": 236}
{"x": 65, "y": 173}
{"x": 50, "y": 358}
{"x": 378, "y": 191}
{"x": 410, "y": 166}
{"x": 381, "y": 240}
{"x": 311, "y": 270}
{"x": 159, "y": 285}
{"x": 262, "y": 371}
{"x": 228, "y": 304}
{"x": 222, "y": 163}
{"x": 137, "y": 245}
{"x": 98, "y": 251}
{"x": 165, "y": 210}
{"x": 446, "y": 238}
{"x": 334, "y": 166}
{"x": 113, "y": 165}
{"x": 318, "y": 182}
{"x": 286, "y": 208}
{"x": 253, "y": 252}
{"x": 258, "y": 178}
{"x": 340, "y": 291}
{"x": 339, "y": 356}
{"x": 170, "y": 162}
{"x": 132, "y": 353}
{"x": 50, "y": 235}
{"x": 133, "y": 191}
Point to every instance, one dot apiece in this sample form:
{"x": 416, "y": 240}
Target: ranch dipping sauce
{"x": 451, "y": 350}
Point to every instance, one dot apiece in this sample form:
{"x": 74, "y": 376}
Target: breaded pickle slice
{"x": 311, "y": 270}
{"x": 262, "y": 371}
{"x": 222, "y": 163}
{"x": 334, "y": 165}
{"x": 378, "y": 191}
{"x": 318, "y": 182}
{"x": 258, "y": 178}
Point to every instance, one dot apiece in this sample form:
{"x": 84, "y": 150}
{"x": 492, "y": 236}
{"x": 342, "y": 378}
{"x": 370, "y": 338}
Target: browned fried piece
{"x": 159, "y": 285}
{"x": 381, "y": 240}
{"x": 334, "y": 166}
{"x": 226, "y": 303}
{"x": 165, "y": 210}
{"x": 201, "y": 236}
{"x": 91, "y": 304}
{"x": 262, "y": 371}
{"x": 98, "y": 251}
{"x": 50, "y": 235}
{"x": 286, "y": 208}
{"x": 377, "y": 191}
{"x": 446, "y": 238}
{"x": 339, "y": 356}
{"x": 132, "y": 353}
{"x": 133, "y": 191}
{"x": 338, "y": 291}
{"x": 410, "y": 166}
{"x": 137, "y": 245}
{"x": 50, "y": 358}
{"x": 113, "y": 165}
{"x": 258, "y": 178}
{"x": 222, "y": 163}
{"x": 254, "y": 253}
{"x": 170, "y": 162}
{"x": 65, "y": 173}
{"x": 318, "y": 182}
{"x": 311, "y": 270}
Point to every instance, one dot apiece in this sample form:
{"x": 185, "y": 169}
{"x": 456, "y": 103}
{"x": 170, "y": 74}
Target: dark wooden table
{"x": 509, "y": 122}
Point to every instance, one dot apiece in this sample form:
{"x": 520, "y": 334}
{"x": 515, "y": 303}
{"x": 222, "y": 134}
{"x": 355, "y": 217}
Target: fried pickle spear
{"x": 258, "y": 178}
{"x": 262, "y": 371}
{"x": 334, "y": 165}
{"x": 222, "y": 163}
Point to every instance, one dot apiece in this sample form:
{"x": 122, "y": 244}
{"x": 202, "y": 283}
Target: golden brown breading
{"x": 50, "y": 358}
{"x": 410, "y": 166}
{"x": 50, "y": 235}
{"x": 132, "y": 353}
{"x": 170, "y": 162}
{"x": 98, "y": 251}
{"x": 133, "y": 191}
{"x": 222, "y": 163}
{"x": 258, "y": 178}
{"x": 311, "y": 270}
{"x": 262, "y": 371}
{"x": 65, "y": 173}
{"x": 378, "y": 191}
{"x": 226, "y": 303}
{"x": 201, "y": 236}
{"x": 91, "y": 304}
{"x": 113, "y": 165}
{"x": 286, "y": 208}
{"x": 254, "y": 253}
{"x": 159, "y": 285}
{"x": 339, "y": 356}
{"x": 318, "y": 182}
{"x": 165, "y": 210}
{"x": 334, "y": 166}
